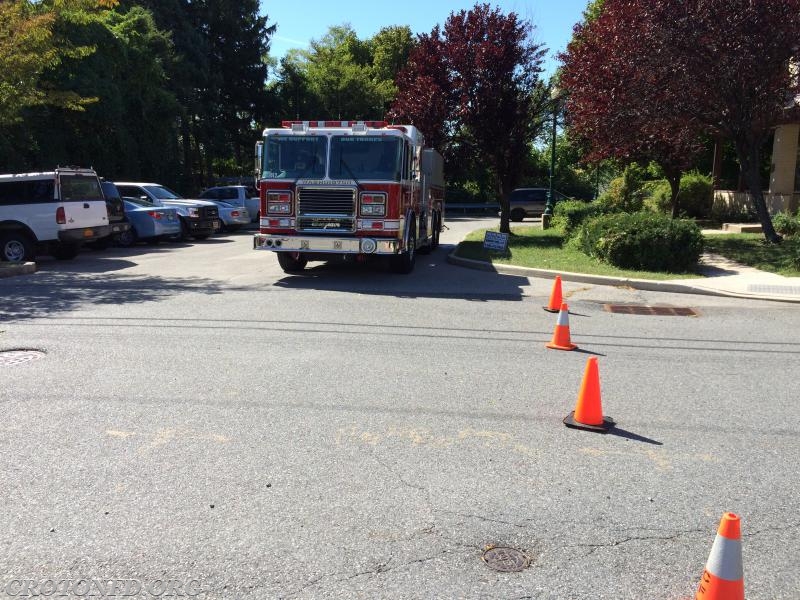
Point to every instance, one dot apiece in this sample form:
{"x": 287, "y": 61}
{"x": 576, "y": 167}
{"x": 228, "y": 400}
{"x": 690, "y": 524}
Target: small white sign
{"x": 495, "y": 241}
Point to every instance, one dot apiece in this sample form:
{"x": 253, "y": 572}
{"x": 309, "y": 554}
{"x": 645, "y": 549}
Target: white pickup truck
{"x": 239, "y": 195}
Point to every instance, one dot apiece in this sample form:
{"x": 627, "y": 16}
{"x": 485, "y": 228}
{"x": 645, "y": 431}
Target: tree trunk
{"x": 674, "y": 180}
{"x": 186, "y": 142}
{"x": 750, "y": 159}
{"x": 505, "y": 208}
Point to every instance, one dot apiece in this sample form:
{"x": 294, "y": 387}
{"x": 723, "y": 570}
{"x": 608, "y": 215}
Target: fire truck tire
{"x": 404, "y": 263}
{"x": 437, "y": 230}
{"x": 291, "y": 262}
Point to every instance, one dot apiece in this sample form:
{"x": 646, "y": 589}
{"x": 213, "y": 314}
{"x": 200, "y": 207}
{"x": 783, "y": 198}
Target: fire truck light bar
{"x": 300, "y": 125}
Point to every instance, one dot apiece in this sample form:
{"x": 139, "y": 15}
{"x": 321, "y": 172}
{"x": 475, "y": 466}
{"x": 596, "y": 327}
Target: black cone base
{"x": 570, "y": 421}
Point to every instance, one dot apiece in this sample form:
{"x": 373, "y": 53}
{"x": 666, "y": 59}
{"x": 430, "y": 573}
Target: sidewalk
{"x": 722, "y": 278}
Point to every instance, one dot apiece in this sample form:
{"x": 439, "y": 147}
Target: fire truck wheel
{"x": 291, "y": 262}
{"x": 404, "y": 263}
{"x": 437, "y": 229}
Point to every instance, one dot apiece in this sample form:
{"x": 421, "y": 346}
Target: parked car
{"x": 527, "y": 202}
{"x": 52, "y": 212}
{"x": 231, "y": 217}
{"x": 116, "y": 216}
{"x": 149, "y": 223}
{"x": 198, "y": 218}
{"x": 240, "y": 195}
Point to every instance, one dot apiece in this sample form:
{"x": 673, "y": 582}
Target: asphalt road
{"x": 200, "y": 417}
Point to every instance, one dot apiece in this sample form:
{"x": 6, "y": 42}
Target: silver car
{"x": 527, "y": 202}
{"x": 231, "y": 216}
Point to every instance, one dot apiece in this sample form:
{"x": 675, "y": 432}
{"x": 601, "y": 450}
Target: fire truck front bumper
{"x": 326, "y": 245}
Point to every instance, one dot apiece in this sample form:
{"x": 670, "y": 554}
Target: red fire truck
{"x": 348, "y": 189}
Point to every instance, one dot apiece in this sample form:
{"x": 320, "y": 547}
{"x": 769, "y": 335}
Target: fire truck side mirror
{"x": 259, "y": 151}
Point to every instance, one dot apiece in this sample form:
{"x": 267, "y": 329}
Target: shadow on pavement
{"x": 431, "y": 278}
{"x": 53, "y": 291}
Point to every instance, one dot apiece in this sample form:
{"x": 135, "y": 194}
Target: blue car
{"x": 149, "y": 223}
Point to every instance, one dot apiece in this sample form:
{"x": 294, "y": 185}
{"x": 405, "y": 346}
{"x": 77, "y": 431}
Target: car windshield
{"x": 295, "y": 156}
{"x": 139, "y": 201}
{"x": 162, "y": 193}
{"x": 365, "y": 157}
{"x": 80, "y": 188}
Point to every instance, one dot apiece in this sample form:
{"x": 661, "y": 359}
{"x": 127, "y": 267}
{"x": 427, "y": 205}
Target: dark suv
{"x": 527, "y": 202}
{"x": 116, "y": 215}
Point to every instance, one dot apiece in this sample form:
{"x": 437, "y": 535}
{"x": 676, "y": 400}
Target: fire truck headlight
{"x": 280, "y": 208}
{"x": 373, "y": 210}
{"x": 368, "y": 245}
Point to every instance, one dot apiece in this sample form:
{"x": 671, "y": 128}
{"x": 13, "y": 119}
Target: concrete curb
{"x": 10, "y": 270}
{"x": 637, "y": 284}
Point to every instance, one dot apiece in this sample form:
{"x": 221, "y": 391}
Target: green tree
{"x": 343, "y": 77}
{"x": 218, "y": 78}
{"x": 28, "y": 50}
{"x": 339, "y": 72}
{"x": 128, "y": 131}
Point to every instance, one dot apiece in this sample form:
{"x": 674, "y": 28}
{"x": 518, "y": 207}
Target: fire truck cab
{"x": 348, "y": 189}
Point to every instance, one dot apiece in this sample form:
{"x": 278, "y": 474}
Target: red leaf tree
{"x": 679, "y": 67}
{"x": 610, "y": 106}
{"x": 474, "y": 90}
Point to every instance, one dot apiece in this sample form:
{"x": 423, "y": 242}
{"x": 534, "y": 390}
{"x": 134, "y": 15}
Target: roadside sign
{"x": 495, "y": 241}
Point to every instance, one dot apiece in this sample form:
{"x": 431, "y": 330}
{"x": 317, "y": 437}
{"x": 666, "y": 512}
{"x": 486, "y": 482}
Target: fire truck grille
{"x": 326, "y": 209}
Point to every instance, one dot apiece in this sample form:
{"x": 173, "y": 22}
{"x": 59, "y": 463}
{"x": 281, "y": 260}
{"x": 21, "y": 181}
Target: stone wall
{"x": 741, "y": 202}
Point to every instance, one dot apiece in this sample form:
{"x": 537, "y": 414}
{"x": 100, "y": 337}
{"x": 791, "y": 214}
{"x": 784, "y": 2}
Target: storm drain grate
{"x": 16, "y": 357}
{"x": 506, "y": 560}
{"x": 661, "y": 311}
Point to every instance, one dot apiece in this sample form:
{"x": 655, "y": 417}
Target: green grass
{"x": 544, "y": 249}
{"x": 751, "y": 249}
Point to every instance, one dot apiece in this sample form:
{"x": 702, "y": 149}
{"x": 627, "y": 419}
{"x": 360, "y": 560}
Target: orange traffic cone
{"x": 588, "y": 413}
{"x": 723, "y": 578}
{"x": 555, "y": 297}
{"x": 561, "y": 339}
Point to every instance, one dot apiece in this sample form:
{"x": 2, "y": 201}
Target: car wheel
{"x": 291, "y": 262}
{"x": 126, "y": 239}
{"x": 15, "y": 247}
{"x": 66, "y": 251}
{"x": 517, "y": 215}
{"x": 404, "y": 263}
{"x": 184, "y": 234}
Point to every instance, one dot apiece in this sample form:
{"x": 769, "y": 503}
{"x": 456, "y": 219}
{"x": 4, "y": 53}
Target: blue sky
{"x": 300, "y": 22}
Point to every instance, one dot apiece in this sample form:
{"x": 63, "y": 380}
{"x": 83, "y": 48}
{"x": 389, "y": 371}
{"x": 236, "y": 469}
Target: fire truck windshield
{"x": 295, "y": 156}
{"x": 365, "y": 157}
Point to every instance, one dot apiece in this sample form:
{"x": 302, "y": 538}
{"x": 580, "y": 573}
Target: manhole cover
{"x": 15, "y": 357}
{"x": 506, "y": 560}
{"x": 661, "y": 311}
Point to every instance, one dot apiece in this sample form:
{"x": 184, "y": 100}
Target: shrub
{"x": 786, "y": 224}
{"x": 695, "y": 196}
{"x": 625, "y": 193}
{"x": 659, "y": 198}
{"x": 642, "y": 241}
{"x": 722, "y": 213}
{"x": 569, "y": 214}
